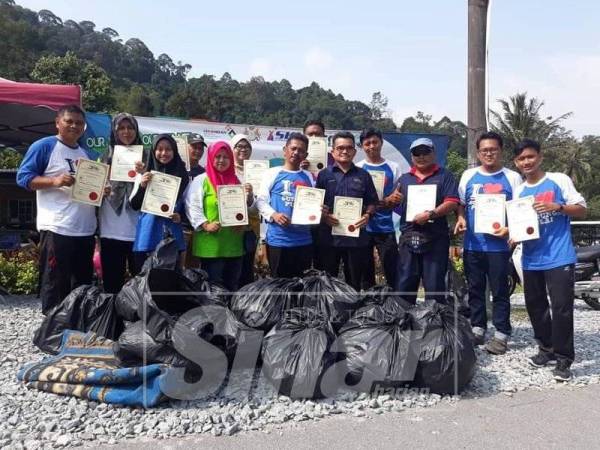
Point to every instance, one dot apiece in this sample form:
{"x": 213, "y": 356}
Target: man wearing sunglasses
{"x": 424, "y": 244}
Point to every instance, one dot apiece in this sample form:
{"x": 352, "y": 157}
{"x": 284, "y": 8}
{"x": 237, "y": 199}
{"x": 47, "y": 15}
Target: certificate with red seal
{"x": 523, "y": 224}
{"x": 348, "y": 211}
{"x": 308, "y": 204}
{"x": 233, "y": 209}
{"x": 490, "y": 213}
{"x": 317, "y": 154}
{"x": 90, "y": 180}
{"x": 161, "y": 194}
{"x": 122, "y": 167}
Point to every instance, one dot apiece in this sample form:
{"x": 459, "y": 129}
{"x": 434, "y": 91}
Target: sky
{"x": 414, "y": 52}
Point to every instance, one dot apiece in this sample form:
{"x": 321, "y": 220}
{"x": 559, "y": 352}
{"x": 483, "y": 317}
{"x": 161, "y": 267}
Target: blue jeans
{"x": 493, "y": 267}
{"x": 430, "y": 267}
{"x": 224, "y": 271}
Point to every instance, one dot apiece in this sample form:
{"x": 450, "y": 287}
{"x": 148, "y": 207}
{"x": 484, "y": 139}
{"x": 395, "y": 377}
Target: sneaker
{"x": 478, "y": 339}
{"x": 562, "y": 371}
{"x": 542, "y": 359}
{"x": 497, "y": 346}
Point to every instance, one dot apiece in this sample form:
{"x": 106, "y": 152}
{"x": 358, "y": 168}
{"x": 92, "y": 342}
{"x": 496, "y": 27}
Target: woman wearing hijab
{"x": 220, "y": 249}
{"x": 116, "y": 216}
{"x": 151, "y": 229}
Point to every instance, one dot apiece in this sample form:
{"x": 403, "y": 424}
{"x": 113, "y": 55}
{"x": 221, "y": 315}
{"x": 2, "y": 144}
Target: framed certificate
{"x": 233, "y": 210}
{"x": 378, "y": 177}
{"x": 90, "y": 180}
{"x": 490, "y": 213}
{"x": 348, "y": 211}
{"x": 523, "y": 224}
{"x": 161, "y": 194}
{"x": 420, "y": 198}
{"x": 308, "y": 205}
{"x": 182, "y": 148}
{"x": 317, "y": 153}
{"x": 124, "y": 158}
{"x": 254, "y": 171}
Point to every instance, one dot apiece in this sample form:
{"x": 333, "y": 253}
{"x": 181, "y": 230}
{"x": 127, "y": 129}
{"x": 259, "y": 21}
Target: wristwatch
{"x": 432, "y": 214}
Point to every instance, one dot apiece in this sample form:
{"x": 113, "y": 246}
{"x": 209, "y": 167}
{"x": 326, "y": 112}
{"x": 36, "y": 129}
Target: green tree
{"x": 68, "y": 69}
{"x": 521, "y": 118}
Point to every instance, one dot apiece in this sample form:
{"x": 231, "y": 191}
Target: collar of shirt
{"x": 434, "y": 169}
{"x": 336, "y": 168}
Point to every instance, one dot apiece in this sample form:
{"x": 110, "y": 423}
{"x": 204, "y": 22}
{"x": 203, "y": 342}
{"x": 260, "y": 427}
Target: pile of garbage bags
{"x": 312, "y": 335}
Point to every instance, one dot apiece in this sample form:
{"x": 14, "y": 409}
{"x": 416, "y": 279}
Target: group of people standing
{"x": 127, "y": 236}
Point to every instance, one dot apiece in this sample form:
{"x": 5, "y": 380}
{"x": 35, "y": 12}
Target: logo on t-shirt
{"x": 493, "y": 188}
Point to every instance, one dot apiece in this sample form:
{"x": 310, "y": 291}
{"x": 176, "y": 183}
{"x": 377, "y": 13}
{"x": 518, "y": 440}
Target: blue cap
{"x": 422, "y": 142}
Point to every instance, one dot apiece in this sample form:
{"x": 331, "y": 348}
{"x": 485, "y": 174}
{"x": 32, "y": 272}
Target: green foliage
{"x": 10, "y": 158}
{"x": 69, "y": 69}
{"x": 456, "y": 163}
{"x": 18, "y": 273}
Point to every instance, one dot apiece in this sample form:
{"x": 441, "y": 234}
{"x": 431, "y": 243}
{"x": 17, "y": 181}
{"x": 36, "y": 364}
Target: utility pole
{"x": 476, "y": 113}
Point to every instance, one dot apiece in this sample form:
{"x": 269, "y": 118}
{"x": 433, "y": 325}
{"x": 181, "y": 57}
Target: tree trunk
{"x": 476, "y": 113}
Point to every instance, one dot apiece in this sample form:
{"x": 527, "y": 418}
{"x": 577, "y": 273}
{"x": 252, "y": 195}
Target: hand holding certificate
{"x": 308, "y": 205}
{"x": 254, "y": 171}
{"x": 490, "y": 213}
{"x": 124, "y": 157}
{"x": 420, "y": 198}
{"x": 317, "y": 153}
{"x": 90, "y": 179}
{"x": 378, "y": 177}
{"x": 233, "y": 210}
{"x": 348, "y": 211}
{"x": 523, "y": 224}
{"x": 161, "y": 194}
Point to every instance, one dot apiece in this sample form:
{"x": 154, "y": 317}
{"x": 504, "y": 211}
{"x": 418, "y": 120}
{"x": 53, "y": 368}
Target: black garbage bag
{"x": 86, "y": 308}
{"x": 171, "y": 290}
{"x": 296, "y": 353}
{"x": 379, "y": 346}
{"x": 336, "y": 299}
{"x": 261, "y": 304}
{"x": 378, "y": 295}
{"x": 447, "y": 357}
{"x": 136, "y": 347}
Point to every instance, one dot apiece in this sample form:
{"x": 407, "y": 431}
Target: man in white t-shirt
{"x": 66, "y": 227}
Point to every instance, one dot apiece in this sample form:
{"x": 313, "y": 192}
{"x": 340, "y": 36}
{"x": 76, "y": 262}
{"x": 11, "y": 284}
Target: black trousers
{"x": 430, "y": 267}
{"x": 250, "y": 245}
{"x": 289, "y": 262}
{"x": 355, "y": 261}
{"x": 387, "y": 249}
{"x": 493, "y": 268}
{"x": 552, "y": 322}
{"x": 66, "y": 262}
{"x": 116, "y": 257}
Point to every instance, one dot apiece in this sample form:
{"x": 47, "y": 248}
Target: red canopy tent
{"x": 27, "y": 110}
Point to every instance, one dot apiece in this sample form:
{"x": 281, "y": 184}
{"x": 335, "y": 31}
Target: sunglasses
{"x": 421, "y": 151}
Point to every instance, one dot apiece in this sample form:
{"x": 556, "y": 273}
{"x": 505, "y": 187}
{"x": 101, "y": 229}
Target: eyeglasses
{"x": 242, "y": 147}
{"x": 421, "y": 151}
{"x": 489, "y": 151}
{"x": 346, "y": 149}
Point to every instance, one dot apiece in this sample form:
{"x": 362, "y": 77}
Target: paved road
{"x": 566, "y": 417}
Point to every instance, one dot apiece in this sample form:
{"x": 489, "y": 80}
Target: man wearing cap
{"x": 424, "y": 244}
{"x": 196, "y": 146}
{"x": 242, "y": 150}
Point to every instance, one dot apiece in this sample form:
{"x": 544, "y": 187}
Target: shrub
{"x": 19, "y": 272}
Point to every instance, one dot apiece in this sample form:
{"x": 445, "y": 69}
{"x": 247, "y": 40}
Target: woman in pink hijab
{"x": 220, "y": 249}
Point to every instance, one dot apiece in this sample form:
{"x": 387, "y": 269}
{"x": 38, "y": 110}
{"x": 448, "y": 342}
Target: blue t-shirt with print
{"x": 476, "y": 182}
{"x": 554, "y": 248}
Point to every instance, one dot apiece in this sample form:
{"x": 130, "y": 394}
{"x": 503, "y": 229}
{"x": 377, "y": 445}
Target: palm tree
{"x": 520, "y": 118}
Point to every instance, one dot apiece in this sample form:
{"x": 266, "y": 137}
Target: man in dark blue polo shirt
{"x": 347, "y": 180}
{"x": 424, "y": 243}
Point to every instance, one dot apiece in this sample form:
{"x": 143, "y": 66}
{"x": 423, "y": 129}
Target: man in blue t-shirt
{"x": 548, "y": 261}
{"x": 380, "y": 229}
{"x": 486, "y": 256}
{"x": 424, "y": 244}
{"x": 289, "y": 247}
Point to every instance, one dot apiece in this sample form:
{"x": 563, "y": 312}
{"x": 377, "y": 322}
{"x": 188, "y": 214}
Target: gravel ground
{"x": 32, "y": 419}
